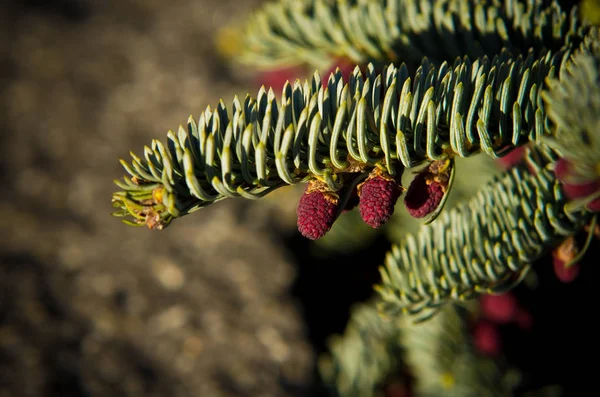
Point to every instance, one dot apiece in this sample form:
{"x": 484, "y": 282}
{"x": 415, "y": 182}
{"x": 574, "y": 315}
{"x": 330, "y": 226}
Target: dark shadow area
{"x": 564, "y": 330}
{"x": 70, "y": 10}
{"x": 327, "y": 287}
{"x": 550, "y": 354}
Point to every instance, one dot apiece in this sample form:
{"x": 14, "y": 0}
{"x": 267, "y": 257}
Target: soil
{"x": 89, "y": 306}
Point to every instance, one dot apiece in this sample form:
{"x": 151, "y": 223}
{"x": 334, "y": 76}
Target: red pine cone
{"x": 276, "y": 78}
{"x": 316, "y": 214}
{"x": 423, "y": 198}
{"x": 378, "y": 197}
{"x": 561, "y": 169}
{"x": 504, "y": 309}
{"x": 487, "y": 338}
{"x": 573, "y": 191}
{"x": 501, "y": 309}
{"x": 346, "y": 67}
{"x": 577, "y": 186}
{"x": 563, "y": 273}
{"x": 594, "y": 206}
{"x": 565, "y": 252}
{"x": 512, "y": 158}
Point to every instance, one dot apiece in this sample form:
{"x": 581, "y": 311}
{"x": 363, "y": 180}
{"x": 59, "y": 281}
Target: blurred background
{"x": 91, "y": 307}
{"x": 230, "y": 301}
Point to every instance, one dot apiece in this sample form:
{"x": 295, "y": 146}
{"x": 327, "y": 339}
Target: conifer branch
{"x": 317, "y": 31}
{"x": 331, "y": 132}
{"x": 573, "y": 103}
{"x": 484, "y": 246}
{"x": 438, "y": 355}
{"x": 441, "y": 354}
{"x": 488, "y": 244}
{"x": 360, "y": 360}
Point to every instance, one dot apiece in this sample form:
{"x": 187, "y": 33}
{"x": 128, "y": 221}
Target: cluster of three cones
{"x": 376, "y": 198}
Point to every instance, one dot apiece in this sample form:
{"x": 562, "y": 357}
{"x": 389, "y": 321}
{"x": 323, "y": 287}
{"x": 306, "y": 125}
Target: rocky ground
{"x": 89, "y": 306}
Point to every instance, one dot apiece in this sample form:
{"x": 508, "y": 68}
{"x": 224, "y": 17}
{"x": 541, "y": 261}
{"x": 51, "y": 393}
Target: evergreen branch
{"x": 316, "y": 31}
{"x": 573, "y": 104}
{"x": 360, "y": 360}
{"x": 441, "y": 354}
{"x": 438, "y": 354}
{"x": 484, "y": 246}
{"x": 387, "y": 120}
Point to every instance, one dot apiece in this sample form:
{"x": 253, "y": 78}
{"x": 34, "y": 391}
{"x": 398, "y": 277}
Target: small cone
{"x": 487, "y": 338}
{"x": 511, "y": 159}
{"x": 577, "y": 186}
{"x": 564, "y": 253}
{"x": 427, "y": 189}
{"x": 345, "y": 65}
{"x": 378, "y": 196}
{"x": 501, "y": 309}
{"x": 316, "y": 211}
{"x": 422, "y": 198}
